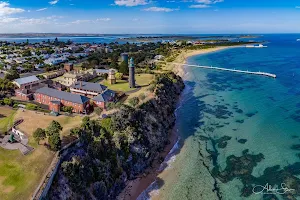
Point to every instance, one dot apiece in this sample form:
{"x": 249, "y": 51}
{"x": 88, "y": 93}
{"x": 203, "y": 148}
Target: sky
{"x": 150, "y": 16}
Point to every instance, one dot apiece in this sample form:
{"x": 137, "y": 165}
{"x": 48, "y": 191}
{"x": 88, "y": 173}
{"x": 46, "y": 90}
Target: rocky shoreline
{"x": 132, "y": 140}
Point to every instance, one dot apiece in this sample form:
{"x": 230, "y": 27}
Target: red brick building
{"x": 102, "y": 99}
{"x": 24, "y": 94}
{"x": 56, "y": 99}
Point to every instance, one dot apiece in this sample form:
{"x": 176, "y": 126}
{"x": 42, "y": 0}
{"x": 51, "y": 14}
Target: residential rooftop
{"x": 26, "y": 80}
{"x": 95, "y": 87}
{"x": 106, "y": 96}
{"x": 74, "y": 98}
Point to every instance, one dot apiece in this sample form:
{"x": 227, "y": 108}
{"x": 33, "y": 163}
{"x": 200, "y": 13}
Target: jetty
{"x": 231, "y": 70}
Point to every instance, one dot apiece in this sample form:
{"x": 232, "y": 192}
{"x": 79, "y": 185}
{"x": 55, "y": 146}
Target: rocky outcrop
{"x": 119, "y": 148}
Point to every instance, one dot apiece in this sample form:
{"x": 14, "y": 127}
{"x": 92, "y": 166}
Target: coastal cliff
{"x": 120, "y": 147}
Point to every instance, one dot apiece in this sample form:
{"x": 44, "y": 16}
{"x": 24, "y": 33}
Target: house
{"x": 27, "y": 82}
{"x": 87, "y": 89}
{"x": 69, "y": 79}
{"x": 51, "y": 75}
{"x": 102, "y": 99}
{"x": 56, "y": 99}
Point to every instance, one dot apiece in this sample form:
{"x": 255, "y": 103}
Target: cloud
{"x": 103, "y": 19}
{"x": 209, "y": 1}
{"x": 199, "y": 6}
{"x": 53, "y": 2}
{"x": 130, "y": 3}
{"x": 8, "y": 20}
{"x": 5, "y": 9}
{"x": 34, "y": 21}
{"x": 298, "y": 7}
{"x": 160, "y": 9}
{"x": 81, "y": 21}
{"x": 41, "y": 9}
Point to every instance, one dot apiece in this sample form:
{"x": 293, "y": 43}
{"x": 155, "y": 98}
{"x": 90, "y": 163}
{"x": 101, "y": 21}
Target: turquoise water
{"x": 239, "y": 131}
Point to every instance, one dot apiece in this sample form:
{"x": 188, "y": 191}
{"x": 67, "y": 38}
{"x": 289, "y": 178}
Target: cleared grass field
{"x": 20, "y": 175}
{"x": 123, "y": 86}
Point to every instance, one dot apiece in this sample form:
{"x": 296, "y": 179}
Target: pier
{"x": 231, "y": 70}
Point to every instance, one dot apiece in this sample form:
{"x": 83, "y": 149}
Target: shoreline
{"x": 134, "y": 188}
{"x": 184, "y": 55}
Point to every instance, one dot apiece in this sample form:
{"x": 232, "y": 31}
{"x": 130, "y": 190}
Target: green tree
{"x": 54, "y": 128}
{"x": 119, "y": 76}
{"x": 54, "y": 142}
{"x": 124, "y": 68}
{"x": 8, "y": 101}
{"x": 75, "y": 132}
{"x": 12, "y": 74}
{"x": 26, "y": 53}
{"x": 39, "y": 134}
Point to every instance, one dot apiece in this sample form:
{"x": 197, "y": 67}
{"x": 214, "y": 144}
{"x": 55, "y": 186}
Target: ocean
{"x": 239, "y": 134}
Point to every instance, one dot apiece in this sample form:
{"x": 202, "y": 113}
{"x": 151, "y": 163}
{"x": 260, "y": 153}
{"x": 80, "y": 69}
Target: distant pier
{"x": 231, "y": 70}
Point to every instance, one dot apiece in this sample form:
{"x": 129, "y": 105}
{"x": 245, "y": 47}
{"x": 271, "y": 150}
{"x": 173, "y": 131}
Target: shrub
{"x": 31, "y": 106}
{"x": 68, "y": 109}
{"x": 98, "y": 111}
{"x": 110, "y": 105}
{"x": 8, "y": 101}
{"x": 142, "y": 96}
{"x": 134, "y": 101}
{"x": 119, "y": 76}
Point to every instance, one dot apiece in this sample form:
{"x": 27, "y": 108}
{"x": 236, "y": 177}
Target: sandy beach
{"x": 135, "y": 187}
{"x": 182, "y": 57}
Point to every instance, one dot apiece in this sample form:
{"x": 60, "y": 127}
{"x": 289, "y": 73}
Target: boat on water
{"x": 256, "y": 46}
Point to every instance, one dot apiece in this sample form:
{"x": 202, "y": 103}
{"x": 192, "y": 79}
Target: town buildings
{"x": 99, "y": 93}
{"x": 72, "y": 77}
{"x": 56, "y": 99}
{"x": 87, "y": 89}
{"x": 27, "y": 82}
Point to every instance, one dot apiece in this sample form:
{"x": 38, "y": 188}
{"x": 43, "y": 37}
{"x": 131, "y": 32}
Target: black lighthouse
{"x": 131, "y": 74}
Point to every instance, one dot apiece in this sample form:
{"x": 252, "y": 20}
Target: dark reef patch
{"x": 240, "y": 121}
{"x": 295, "y": 147}
{"x": 242, "y": 141}
{"x": 296, "y": 116}
{"x": 239, "y": 111}
{"x": 251, "y": 114}
{"x": 219, "y": 111}
{"x": 222, "y": 142}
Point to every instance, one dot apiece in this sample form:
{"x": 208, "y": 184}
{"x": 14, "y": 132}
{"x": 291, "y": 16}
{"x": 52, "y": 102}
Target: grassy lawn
{"x": 6, "y": 118}
{"x": 96, "y": 80}
{"x": 122, "y": 85}
{"x": 20, "y": 175}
